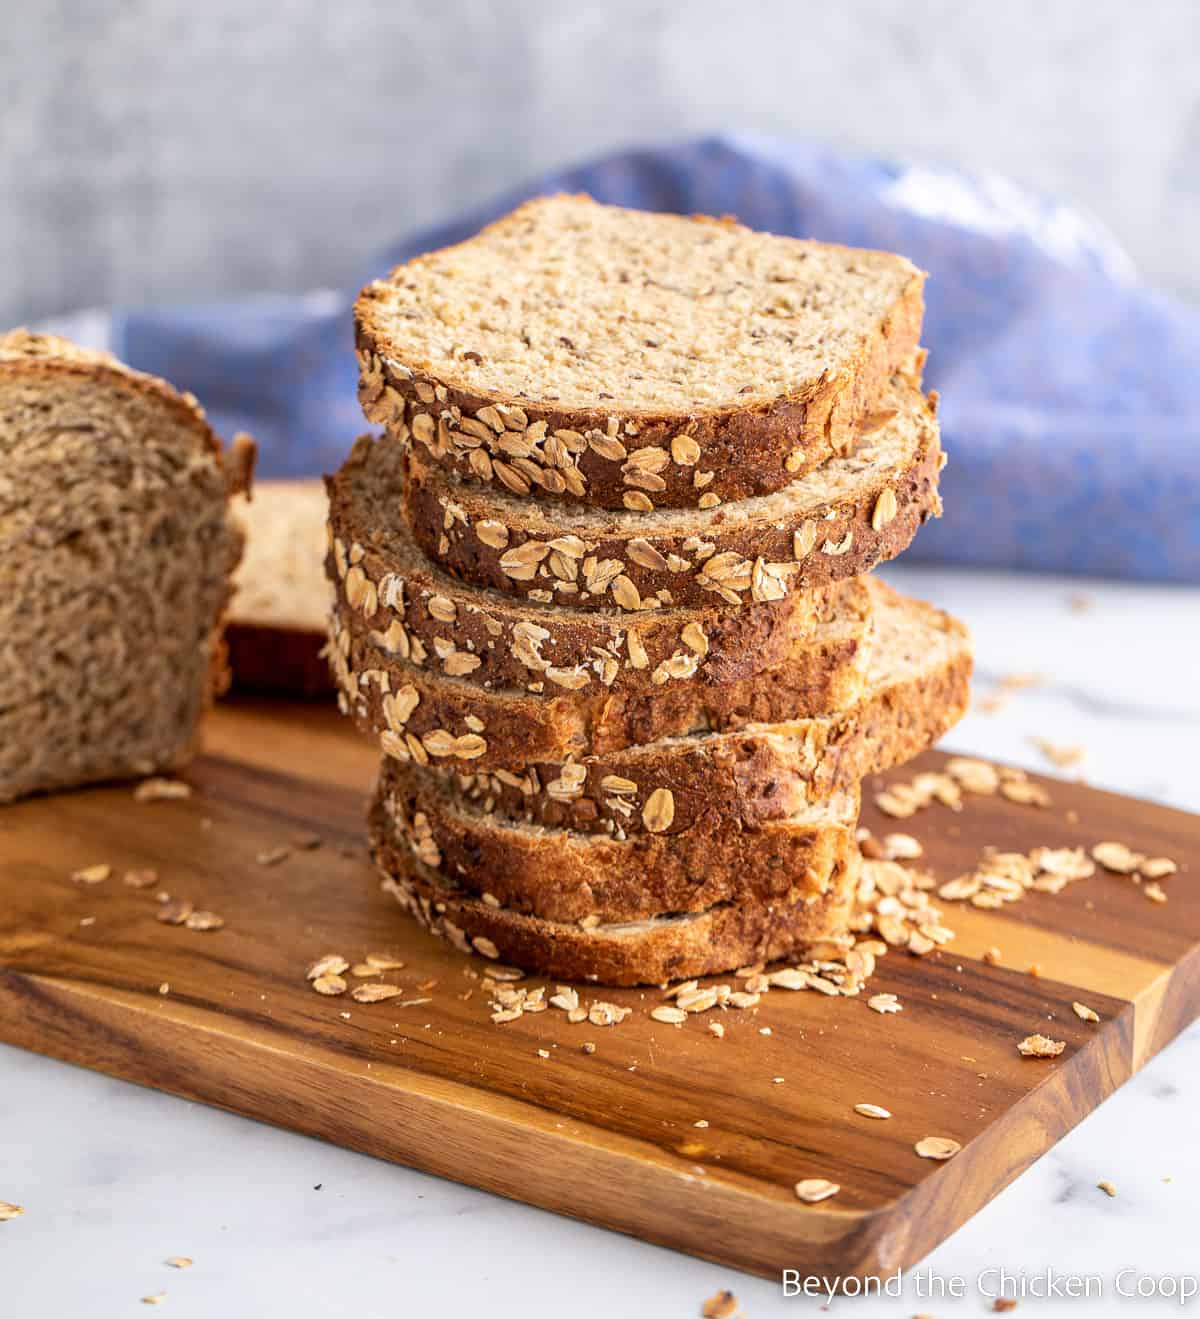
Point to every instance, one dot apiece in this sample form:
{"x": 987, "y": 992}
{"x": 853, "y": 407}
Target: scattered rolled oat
{"x": 872, "y": 1110}
{"x": 815, "y": 1189}
{"x": 1062, "y": 756}
{"x": 374, "y": 993}
{"x": 1155, "y": 892}
{"x": 1158, "y": 867}
{"x": 92, "y": 874}
{"x": 607, "y": 1014}
{"x": 179, "y": 1262}
{"x": 885, "y": 1003}
{"x": 1108, "y": 1188}
{"x": 1040, "y": 1046}
{"x": 173, "y": 912}
{"x": 10, "y": 1211}
{"x": 165, "y": 988}
{"x": 543, "y": 1053}
{"x": 1084, "y": 1013}
{"x": 588, "y": 1047}
{"x": 141, "y": 878}
{"x": 331, "y": 964}
{"x": 901, "y": 847}
{"x": 937, "y": 1147}
{"x": 1117, "y": 858}
{"x": 273, "y": 856}
{"x": 156, "y": 1299}
{"x": 383, "y": 962}
{"x": 721, "y": 1305}
{"x": 670, "y": 1015}
{"x": 204, "y": 920}
{"x": 162, "y": 790}
{"x": 703, "y": 1122}
{"x": 717, "y": 1029}
{"x": 329, "y": 984}
{"x": 1025, "y": 792}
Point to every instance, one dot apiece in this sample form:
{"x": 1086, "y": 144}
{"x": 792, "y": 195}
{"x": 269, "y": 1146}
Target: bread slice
{"x": 282, "y": 597}
{"x": 614, "y": 357}
{"x": 917, "y": 683}
{"x": 561, "y": 875}
{"x": 428, "y": 618}
{"x": 653, "y": 951}
{"x": 116, "y": 549}
{"x": 834, "y": 523}
{"x": 419, "y": 713}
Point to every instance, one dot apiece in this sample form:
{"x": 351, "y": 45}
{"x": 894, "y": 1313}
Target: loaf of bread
{"x": 837, "y": 521}
{"x": 277, "y": 620}
{"x": 630, "y": 360}
{"x": 116, "y": 549}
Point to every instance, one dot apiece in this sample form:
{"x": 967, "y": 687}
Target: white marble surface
{"x": 115, "y": 1178}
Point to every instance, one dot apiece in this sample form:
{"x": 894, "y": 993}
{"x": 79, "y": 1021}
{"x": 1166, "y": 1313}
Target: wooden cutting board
{"x": 613, "y": 1136}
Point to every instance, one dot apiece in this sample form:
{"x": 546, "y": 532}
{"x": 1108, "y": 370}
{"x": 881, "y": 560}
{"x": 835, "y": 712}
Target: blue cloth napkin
{"x": 1070, "y": 392}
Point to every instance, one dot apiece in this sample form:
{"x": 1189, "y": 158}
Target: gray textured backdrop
{"x": 158, "y": 149}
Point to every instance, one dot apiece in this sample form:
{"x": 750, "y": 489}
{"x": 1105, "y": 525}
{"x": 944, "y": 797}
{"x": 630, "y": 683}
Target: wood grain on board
{"x": 610, "y": 1137}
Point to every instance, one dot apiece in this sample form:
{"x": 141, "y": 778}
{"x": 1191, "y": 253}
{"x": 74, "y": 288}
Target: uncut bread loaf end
{"x": 116, "y": 549}
{"x": 627, "y": 360}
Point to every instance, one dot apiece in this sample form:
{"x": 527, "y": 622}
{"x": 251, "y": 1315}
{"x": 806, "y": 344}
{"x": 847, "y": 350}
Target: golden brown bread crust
{"x": 378, "y": 571}
{"x": 793, "y": 540}
{"x": 271, "y": 658}
{"x": 589, "y": 454}
{"x": 420, "y": 714}
{"x": 563, "y": 876}
{"x": 760, "y": 773}
{"x": 671, "y": 948}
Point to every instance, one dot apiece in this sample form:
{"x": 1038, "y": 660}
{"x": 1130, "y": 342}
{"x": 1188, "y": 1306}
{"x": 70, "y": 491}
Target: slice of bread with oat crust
{"x": 674, "y": 946}
{"x": 916, "y": 689}
{"x": 417, "y": 711}
{"x": 836, "y": 522}
{"x": 431, "y": 619}
{"x": 625, "y": 359}
{"x": 561, "y": 875}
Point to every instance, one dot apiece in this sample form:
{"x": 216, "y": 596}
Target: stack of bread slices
{"x": 601, "y": 593}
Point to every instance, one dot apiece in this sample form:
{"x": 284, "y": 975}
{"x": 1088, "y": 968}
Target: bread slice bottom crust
{"x": 654, "y": 951}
